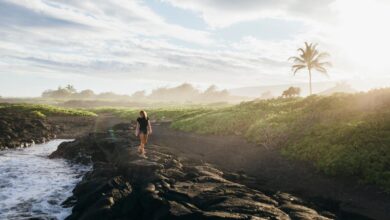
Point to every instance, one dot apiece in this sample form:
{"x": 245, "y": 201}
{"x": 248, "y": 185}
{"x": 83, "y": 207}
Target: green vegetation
{"x": 160, "y": 114}
{"x": 342, "y": 134}
{"x": 45, "y": 110}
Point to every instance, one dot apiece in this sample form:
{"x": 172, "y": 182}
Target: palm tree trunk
{"x": 310, "y": 81}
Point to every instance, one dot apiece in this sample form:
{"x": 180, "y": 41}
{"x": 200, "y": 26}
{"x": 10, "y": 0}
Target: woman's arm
{"x": 137, "y": 129}
{"x": 150, "y": 131}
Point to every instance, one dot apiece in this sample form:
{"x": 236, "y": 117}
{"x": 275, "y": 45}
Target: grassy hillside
{"x": 44, "y": 110}
{"x": 160, "y": 114}
{"x": 345, "y": 135}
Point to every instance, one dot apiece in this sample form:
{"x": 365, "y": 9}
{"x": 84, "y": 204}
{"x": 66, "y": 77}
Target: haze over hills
{"x": 185, "y": 94}
{"x": 319, "y": 88}
{"x": 342, "y": 87}
{"x": 276, "y": 90}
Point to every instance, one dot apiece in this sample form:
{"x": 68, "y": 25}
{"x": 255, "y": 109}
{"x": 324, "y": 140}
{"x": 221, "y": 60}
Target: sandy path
{"x": 274, "y": 172}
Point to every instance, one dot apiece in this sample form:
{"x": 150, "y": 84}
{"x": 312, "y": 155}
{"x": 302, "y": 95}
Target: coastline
{"x": 163, "y": 186}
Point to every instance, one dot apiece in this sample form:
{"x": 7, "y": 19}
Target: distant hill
{"x": 277, "y": 90}
{"x": 339, "y": 88}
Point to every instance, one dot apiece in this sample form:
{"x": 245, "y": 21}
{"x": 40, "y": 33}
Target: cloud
{"x": 222, "y": 13}
{"x": 10, "y": 14}
{"x": 87, "y": 37}
{"x": 113, "y": 39}
{"x": 128, "y": 41}
{"x": 116, "y": 18}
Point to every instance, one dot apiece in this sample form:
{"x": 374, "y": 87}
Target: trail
{"x": 275, "y": 172}
{"x": 106, "y": 121}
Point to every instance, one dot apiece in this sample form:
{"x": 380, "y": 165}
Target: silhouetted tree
{"x": 60, "y": 93}
{"x": 183, "y": 92}
{"x": 212, "y": 94}
{"x": 139, "y": 95}
{"x": 84, "y": 94}
{"x": 70, "y": 88}
{"x": 291, "y": 92}
{"x": 310, "y": 58}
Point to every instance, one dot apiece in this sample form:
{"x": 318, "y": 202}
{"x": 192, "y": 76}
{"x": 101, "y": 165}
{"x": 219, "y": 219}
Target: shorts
{"x": 143, "y": 132}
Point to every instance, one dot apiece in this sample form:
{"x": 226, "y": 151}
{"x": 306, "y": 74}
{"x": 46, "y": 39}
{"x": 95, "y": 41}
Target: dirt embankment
{"x": 123, "y": 185}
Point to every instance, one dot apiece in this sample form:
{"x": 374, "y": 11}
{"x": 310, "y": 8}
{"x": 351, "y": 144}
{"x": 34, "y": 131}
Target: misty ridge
{"x": 184, "y": 93}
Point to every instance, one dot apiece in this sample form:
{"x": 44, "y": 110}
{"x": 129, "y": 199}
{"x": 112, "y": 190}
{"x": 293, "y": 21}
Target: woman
{"x": 143, "y": 129}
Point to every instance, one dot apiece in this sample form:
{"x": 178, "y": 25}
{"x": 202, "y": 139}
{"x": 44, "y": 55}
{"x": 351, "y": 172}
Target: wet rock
{"x": 224, "y": 216}
{"x": 150, "y": 188}
{"x": 177, "y": 210}
{"x": 301, "y": 212}
{"x": 247, "y": 206}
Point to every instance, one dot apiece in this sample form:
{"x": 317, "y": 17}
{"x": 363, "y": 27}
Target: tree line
{"x": 182, "y": 93}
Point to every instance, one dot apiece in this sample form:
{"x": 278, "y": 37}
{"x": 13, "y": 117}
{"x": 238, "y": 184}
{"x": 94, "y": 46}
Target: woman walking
{"x": 143, "y": 130}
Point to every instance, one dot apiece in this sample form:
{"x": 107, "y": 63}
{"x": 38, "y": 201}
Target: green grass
{"x": 347, "y": 135}
{"x": 45, "y": 110}
{"x": 160, "y": 114}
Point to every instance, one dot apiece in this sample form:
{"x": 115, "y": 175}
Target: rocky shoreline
{"x": 123, "y": 185}
{"x": 21, "y": 130}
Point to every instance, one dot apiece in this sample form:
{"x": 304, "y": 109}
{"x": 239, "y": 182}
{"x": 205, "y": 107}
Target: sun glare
{"x": 364, "y": 33}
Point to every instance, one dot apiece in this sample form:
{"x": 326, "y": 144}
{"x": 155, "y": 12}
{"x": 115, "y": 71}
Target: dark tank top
{"x": 143, "y": 124}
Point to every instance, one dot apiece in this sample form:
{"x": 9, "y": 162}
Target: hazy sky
{"x": 129, "y": 45}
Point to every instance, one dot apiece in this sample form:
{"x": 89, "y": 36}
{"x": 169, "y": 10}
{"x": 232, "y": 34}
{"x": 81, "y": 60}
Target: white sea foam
{"x": 34, "y": 186}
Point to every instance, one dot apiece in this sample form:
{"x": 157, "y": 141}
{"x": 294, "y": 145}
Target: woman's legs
{"x": 143, "y": 139}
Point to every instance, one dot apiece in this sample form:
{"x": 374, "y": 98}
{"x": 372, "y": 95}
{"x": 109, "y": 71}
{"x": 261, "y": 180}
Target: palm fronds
{"x": 311, "y": 58}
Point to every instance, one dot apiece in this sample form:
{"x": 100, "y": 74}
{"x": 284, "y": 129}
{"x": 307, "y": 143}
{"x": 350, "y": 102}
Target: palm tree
{"x": 310, "y": 58}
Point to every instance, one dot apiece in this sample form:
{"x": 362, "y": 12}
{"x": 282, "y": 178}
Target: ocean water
{"x": 34, "y": 186}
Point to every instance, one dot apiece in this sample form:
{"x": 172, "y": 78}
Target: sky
{"x": 128, "y": 45}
